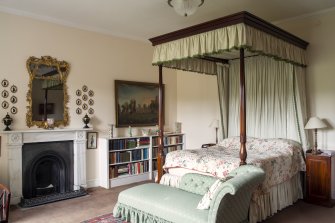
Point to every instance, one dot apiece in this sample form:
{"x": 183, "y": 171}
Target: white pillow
{"x": 208, "y": 197}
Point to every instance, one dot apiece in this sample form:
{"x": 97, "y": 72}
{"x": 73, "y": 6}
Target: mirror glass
{"x": 47, "y": 95}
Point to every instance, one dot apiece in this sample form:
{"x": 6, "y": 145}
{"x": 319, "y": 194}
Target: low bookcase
{"x": 125, "y": 160}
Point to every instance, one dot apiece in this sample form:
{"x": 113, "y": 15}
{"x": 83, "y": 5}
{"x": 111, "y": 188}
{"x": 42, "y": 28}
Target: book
{"x": 112, "y": 158}
{"x": 136, "y": 155}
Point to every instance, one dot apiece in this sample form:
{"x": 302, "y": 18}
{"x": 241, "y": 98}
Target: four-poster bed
{"x": 205, "y": 47}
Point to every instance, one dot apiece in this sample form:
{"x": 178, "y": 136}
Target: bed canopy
{"x": 209, "y": 47}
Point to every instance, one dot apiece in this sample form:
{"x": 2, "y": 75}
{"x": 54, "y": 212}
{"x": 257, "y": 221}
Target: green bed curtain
{"x": 276, "y": 99}
{"x": 301, "y": 103}
{"x": 223, "y": 89}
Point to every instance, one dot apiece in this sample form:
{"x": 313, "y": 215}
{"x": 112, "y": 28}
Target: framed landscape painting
{"x": 136, "y": 103}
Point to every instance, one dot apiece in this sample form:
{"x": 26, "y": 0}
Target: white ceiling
{"x": 143, "y": 19}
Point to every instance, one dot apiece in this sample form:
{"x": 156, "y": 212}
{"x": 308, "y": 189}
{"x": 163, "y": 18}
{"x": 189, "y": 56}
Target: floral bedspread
{"x": 280, "y": 158}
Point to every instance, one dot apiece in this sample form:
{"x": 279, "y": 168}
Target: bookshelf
{"x": 171, "y": 142}
{"x": 125, "y": 160}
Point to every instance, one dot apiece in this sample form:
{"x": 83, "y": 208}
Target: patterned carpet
{"x": 106, "y": 218}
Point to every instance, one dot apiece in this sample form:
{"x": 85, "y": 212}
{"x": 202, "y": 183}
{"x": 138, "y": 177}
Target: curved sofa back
{"x": 196, "y": 183}
{"x": 231, "y": 202}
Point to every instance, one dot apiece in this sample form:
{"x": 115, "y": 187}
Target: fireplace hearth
{"x": 25, "y": 203}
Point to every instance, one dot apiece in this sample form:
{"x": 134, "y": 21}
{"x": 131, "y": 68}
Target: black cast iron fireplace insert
{"x": 47, "y": 173}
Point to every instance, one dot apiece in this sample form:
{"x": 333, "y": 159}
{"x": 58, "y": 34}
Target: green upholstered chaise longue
{"x": 156, "y": 203}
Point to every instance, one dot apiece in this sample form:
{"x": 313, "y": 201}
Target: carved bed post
{"x": 243, "y": 138}
{"x": 160, "y": 157}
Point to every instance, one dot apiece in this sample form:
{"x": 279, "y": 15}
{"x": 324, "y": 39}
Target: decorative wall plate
{"x": 84, "y": 97}
{"x": 4, "y": 104}
{"x": 85, "y": 106}
{"x": 13, "y": 110}
{"x": 4, "y": 93}
{"x": 90, "y": 93}
{"x": 91, "y": 102}
{"x": 78, "y": 92}
{"x": 13, "y": 89}
{"x": 78, "y": 111}
{"x": 84, "y": 88}
{"x": 78, "y": 101}
{"x": 4, "y": 83}
{"x": 91, "y": 111}
{"x": 13, "y": 99}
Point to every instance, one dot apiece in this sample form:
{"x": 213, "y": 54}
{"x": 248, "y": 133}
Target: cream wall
{"x": 96, "y": 60}
{"x": 319, "y": 31}
{"x": 197, "y": 107}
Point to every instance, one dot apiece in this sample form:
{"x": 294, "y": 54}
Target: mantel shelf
{"x": 46, "y": 130}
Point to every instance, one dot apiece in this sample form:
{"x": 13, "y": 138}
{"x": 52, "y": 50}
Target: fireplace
{"x": 47, "y": 172}
{"x": 46, "y": 165}
{"x": 47, "y": 168}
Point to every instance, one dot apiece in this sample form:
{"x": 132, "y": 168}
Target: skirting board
{"x": 93, "y": 183}
{"x": 128, "y": 179}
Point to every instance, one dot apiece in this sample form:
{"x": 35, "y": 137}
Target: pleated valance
{"x": 179, "y": 53}
{"x": 193, "y": 64}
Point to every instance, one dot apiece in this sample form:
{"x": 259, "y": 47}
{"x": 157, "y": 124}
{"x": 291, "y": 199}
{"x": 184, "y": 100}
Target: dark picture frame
{"x": 92, "y": 140}
{"x": 136, "y": 103}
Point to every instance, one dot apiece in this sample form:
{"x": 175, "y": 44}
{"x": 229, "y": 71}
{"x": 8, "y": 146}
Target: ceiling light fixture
{"x": 185, "y": 7}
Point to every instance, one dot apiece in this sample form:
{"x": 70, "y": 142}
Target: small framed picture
{"x": 78, "y": 101}
{"x": 4, "y": 94}
{"x": 92, "y": 138}
{"x": 85, "y": 106}
{"x": 84, "y": 97}
{"x": 13, "y": 89}
{"x": 5, "y": 104}
{"x": 91, "y": 111}
{"x": 13, "y": 110}
{"x": 84, "y": 88}
{"x": 78, "y": 111}
{"x": 90, "y": 93}
{"x": 4, "y": 83}
{"x": 91, "y": 102}
{"x": 13, "y": 99}
{"x": 78, "y": 92}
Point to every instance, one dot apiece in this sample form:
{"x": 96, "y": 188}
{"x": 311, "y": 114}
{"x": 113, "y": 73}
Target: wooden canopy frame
{"x": 241, "y": 17}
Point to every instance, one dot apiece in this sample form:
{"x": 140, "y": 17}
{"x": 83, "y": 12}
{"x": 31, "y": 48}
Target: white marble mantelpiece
{"x": 16, "y": 139}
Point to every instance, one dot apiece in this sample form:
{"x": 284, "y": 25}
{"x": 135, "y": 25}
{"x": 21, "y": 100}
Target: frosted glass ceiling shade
{"x": 185, "y": 7}
{"x": 315, "y": 123}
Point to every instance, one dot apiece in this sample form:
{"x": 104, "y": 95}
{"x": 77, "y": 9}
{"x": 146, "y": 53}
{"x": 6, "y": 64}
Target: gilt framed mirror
{"x": 47, "y": 95}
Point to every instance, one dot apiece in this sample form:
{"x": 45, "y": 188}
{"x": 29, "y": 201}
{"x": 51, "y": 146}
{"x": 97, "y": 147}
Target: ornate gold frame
{"x": 63, "y": 69}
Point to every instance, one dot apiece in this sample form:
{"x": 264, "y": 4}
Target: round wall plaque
{"x": 4, "y": 83}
